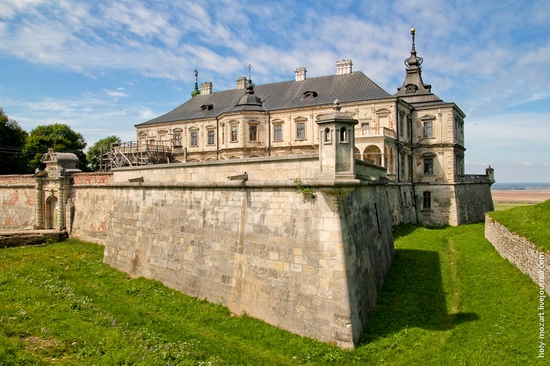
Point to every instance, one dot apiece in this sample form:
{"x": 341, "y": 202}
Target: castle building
{"x": 274, "y": 200}
{"x": 417, "y": 137}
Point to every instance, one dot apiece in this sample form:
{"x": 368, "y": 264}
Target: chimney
{"x": 343, "y": 67}
{"x": 206, "y": 88}
{"x": 241, "y": 82}
{"x": 300, "y": 73}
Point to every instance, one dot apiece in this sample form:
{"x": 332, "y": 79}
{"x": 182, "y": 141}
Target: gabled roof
{"x": 352, "y": 87}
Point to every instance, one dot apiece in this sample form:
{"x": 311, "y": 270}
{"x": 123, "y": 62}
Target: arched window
{"x": 343, "y": 134}
{"x": 327, "y": 137}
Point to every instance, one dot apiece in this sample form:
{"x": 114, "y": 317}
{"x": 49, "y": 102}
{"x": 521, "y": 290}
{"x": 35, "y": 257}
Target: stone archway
{"x": 372, "y": 154}
{"x": 358, "y": 154}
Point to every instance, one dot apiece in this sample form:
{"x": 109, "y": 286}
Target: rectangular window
{"x": 426, "y": 200}
{"x": 300, "y": 131}
{"x": 428, "y": 166}
{"x": 278, "y": 133}
{"x": 253, "y": 133}
{"x": 194, "y": 139}
{"x": 177, "y": 139}
{"x": 428, "y": 129}
{"x": 211, "y": 137}
{"x": 365, "y": 124}
{"x": 234, "y": 134}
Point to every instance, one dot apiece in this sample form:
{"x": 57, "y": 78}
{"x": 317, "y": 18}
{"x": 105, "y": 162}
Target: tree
{"x": 60, "y": 138}
{"x": 101, "y": 147}
{"x": 12, "y": 140}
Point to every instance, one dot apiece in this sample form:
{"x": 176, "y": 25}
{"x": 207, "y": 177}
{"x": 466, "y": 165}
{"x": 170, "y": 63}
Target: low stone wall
{"x": 17, "y": 202}
{"x": 520, "y": 252}
{"x": 257, "y": 169}
{"x": 31, "y": 237}
{"x": 90, "y": 206}
{"x": 90, "y": 212}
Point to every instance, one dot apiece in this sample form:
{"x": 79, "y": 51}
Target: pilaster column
{"x": 61, "y": 205}
{"x": 39, "y": 205}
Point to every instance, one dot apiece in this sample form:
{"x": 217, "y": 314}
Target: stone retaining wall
{"x": 520, "y": 252}
{"x": 310, "y": 266}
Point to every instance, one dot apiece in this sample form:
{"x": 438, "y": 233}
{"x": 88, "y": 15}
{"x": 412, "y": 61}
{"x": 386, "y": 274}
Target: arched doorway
{"x": 372, "y": 154}
{"x": 51, "y": 212}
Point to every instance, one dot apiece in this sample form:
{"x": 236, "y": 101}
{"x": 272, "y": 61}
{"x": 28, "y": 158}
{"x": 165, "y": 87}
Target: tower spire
{"x": 196, "y": 90}
{"x": 413, "y": 60}
{"x": 413, "y": 84}
{"x": 249, "y": 85}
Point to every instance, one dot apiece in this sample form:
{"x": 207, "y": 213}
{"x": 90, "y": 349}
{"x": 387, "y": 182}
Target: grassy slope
{"x": 449, "y": 298}
{"x": 531, "y": 222}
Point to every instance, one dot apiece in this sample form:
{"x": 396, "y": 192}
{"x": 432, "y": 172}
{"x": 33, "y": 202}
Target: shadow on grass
{"x": 412, "y": 296}
{"x": 406, "y": 229}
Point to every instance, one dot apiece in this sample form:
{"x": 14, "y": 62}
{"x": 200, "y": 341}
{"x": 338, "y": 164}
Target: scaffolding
{"x": 134, "y": 153}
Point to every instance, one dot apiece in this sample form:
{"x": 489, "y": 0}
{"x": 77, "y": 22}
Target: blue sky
{"x": 103, "y": 66}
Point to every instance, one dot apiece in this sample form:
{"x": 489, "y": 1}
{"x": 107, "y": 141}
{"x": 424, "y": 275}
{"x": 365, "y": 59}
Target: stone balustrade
{"x": 374, "y": 132}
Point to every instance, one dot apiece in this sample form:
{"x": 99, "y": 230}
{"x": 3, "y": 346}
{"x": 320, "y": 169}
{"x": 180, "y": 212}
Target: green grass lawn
{"x": 506, "y": 206}
{"x": 449, "y": 299}
{"x": 531, "y": 222}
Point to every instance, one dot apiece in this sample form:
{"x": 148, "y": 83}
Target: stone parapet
{"x": 17, "y": 180}
{"x": 92, "y": 178}
{"x": 258, "y": 169}
{"x": 520, "y": 252}
{"x": 474, "y": 178}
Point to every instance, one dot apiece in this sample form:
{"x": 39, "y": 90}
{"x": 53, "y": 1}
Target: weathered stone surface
{"x": 520, "y": 252}
{"x": 17, "y": 201}
{"x": 313, "y": 267}
{"x": 30, "y": 237}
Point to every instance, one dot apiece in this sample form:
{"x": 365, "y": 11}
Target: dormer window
{"x": 411, "y": 88}
{"x": 206, "y": 107}
{"x": 310, "y": 94}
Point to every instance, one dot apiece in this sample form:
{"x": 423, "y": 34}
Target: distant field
{"x": 505, "y": 199}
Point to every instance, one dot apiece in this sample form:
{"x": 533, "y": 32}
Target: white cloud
{"x": 487, "y": 57}
{"x": 475, "y": 163}
{"x": 116, "y": 93}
